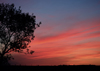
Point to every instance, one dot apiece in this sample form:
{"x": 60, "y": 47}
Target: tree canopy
{"x": 16, "y": 30}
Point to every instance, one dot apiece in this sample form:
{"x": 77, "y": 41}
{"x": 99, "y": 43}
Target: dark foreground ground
{"x": 52, "y": 68}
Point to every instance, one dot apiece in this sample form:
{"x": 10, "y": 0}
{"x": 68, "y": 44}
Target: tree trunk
{"x": 1, "y": 59}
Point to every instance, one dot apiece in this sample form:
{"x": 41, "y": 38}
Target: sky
{"x": 69, "y": 33}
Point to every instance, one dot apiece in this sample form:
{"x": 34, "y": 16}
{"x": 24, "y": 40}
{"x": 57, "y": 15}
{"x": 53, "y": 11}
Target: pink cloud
{"x": 72, "y": 45}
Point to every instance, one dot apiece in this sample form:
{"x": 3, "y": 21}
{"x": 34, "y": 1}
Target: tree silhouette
{"x": 16, "y": 31}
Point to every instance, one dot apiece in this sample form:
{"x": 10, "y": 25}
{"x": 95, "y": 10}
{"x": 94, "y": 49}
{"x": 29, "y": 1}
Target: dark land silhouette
{"x": 54, "y": 67}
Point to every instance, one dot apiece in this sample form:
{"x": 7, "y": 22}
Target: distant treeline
{"x": 53, "y": 65}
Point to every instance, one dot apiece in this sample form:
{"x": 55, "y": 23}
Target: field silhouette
{"x": 54, "y": 67}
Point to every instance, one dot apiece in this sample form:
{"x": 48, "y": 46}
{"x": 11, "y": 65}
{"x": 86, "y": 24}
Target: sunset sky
{"x": 69, "y": 33}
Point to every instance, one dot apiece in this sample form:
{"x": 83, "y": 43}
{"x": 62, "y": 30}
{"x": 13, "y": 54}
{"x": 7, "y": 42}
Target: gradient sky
{"x": 69, "y": 33}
